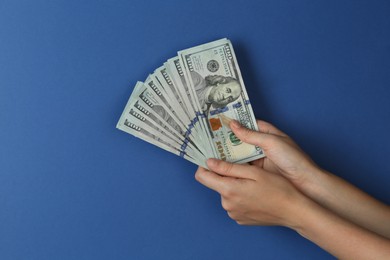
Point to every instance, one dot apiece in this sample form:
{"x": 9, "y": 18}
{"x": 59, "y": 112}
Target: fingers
{"x": 210, "y": 179}
{"x": 233, "y": 170}
{"x": 221, "y": 174}
{"x": 264, "y": 140}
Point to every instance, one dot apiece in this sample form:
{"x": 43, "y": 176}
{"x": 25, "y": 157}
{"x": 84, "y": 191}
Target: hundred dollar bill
{"x": 219, "y": 95}
{"x": 133, "y": 122}
{"x": 176, "y": 72}
{"x": 144, "y": 123}
{"x": 151, "y": 101}
{"x": 148, "y": 106}
{"x": 154, "y": 94}
{"x": 173, "y": 95}
{"x": 181, "y": 103}
{"x": 139, "y": 110}
{"x": 154, "y": 139}
{"x": 172, "y": 98}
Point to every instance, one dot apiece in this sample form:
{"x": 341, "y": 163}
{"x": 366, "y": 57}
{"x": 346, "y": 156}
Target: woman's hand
{"x": 250, "y": 194}
{"x": 334, "y": 214}
{"x": 285, "y": 158}
{"x": 283, "y": 155}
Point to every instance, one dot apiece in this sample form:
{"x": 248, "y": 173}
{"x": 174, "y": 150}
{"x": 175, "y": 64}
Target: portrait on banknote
{"x": 215, "y": 91}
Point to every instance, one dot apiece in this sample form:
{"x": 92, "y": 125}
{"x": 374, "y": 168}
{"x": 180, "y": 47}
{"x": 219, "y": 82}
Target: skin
{"x": 223, "y": 94}
{"x": 287, "y": 188}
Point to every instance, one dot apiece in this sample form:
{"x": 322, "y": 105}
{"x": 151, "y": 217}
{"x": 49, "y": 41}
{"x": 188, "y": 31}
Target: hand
{"x": 250, "y": 194}
{"x": 268, "y": 192}
{"x": 283, "y": 155}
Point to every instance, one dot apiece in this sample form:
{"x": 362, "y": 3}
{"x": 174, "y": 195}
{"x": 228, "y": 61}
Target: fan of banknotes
{"x": 185, "y": 106}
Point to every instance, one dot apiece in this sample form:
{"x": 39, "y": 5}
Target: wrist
{"x": 313, "y": 189}
{"x": 314, "y": 185}
{"x": 298, "y": 207}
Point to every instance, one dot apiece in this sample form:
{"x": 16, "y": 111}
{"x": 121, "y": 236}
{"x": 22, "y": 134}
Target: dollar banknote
{"x": 185, "y": 106}
{"x": 220, "y": 96}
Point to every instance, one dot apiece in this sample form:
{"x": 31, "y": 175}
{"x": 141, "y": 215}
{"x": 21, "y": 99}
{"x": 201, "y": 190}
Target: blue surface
{"x": 74, "y": 187}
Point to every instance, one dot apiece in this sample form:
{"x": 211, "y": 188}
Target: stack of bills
{"x": 185, "y": 106}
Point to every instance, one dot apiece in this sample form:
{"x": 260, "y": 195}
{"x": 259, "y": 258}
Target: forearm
{"x": 349, "y": 202}
{"x": 337, "y": 236}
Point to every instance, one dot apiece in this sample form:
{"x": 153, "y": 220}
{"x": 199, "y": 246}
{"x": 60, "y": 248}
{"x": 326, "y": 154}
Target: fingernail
{"x": 211, "y": 162}
{"x": 235, "y": 124}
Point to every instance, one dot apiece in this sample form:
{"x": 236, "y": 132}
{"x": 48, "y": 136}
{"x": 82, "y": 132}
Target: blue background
{"x": 72, "y": 186}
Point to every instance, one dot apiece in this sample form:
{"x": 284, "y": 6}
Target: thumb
{"x": 228, "y": 169}
{"x": 249, "y": 136}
